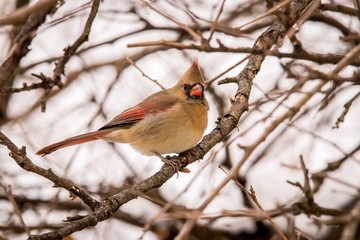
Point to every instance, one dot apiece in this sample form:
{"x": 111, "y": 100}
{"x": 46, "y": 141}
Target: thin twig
{"x": 352, "y": 226}
{"x": 307, "y": 13}
{"x": 144, "y": 74}
{"x": 347, "y": 106}
{"x": 174, "y": 20}
{"x": 252, "y": 195}
{"x": 265, "y": 14}
{"x": 214, "y": 23}
{"x": 210, "y": 81}
{"x": 55, "y": 79}
{"x": 16, "y": 208}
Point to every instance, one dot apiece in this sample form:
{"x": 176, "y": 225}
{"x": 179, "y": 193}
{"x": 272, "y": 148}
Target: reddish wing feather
{"x": 158, "y": 102}
{"x": 126, "y": 118}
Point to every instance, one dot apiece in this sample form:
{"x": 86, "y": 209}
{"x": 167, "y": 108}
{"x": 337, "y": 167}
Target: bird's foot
{"x": 174, "y": 163}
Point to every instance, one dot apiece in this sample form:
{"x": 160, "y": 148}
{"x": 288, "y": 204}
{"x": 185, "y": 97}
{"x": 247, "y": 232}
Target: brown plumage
{"x": 170, "y": 121}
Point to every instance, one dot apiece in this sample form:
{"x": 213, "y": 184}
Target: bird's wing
{"x": 158, "y": 102}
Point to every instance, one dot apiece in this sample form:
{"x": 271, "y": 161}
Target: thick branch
{"x": 19, "y": 155}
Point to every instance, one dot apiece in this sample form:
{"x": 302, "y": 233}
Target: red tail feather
{"x": 83, "y": 138}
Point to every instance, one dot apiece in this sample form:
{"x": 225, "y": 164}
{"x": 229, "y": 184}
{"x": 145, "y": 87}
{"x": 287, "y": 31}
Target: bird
{"x": 169, "y": 121}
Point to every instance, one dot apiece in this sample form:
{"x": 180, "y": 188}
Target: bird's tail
{"x": 83, "y": 138}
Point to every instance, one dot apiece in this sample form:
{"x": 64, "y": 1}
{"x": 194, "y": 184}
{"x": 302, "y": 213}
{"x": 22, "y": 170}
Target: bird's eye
{"x": 186, "y": 87}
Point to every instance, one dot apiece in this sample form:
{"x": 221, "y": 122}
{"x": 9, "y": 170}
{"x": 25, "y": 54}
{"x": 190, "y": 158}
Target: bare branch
{"x": 55, "y": 79}
{"x": 16, "y": 209}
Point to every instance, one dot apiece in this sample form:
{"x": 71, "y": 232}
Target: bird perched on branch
{"x": 169, "y": 121}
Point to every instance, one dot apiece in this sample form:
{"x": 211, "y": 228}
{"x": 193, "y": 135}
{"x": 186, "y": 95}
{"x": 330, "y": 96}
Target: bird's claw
{"x": 174, "y": 163}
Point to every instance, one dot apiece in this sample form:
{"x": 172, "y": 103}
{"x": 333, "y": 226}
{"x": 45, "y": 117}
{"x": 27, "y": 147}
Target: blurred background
{"x": 298, "y": 108}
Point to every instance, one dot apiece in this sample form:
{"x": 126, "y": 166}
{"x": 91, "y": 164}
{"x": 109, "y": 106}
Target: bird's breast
{"x": 172, "y": 131}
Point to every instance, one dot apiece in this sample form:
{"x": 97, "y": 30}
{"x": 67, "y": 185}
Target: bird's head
{"x": 192, "y": 83}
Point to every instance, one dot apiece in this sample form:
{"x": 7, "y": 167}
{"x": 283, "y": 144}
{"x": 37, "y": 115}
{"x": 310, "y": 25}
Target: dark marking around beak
{"x": 197, "y": 90}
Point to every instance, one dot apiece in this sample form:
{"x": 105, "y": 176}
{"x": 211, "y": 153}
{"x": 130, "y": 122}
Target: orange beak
{"x": 197, "y": 90}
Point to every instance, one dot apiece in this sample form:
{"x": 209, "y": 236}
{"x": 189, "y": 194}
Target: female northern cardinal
{"x": 169, "y": 121}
